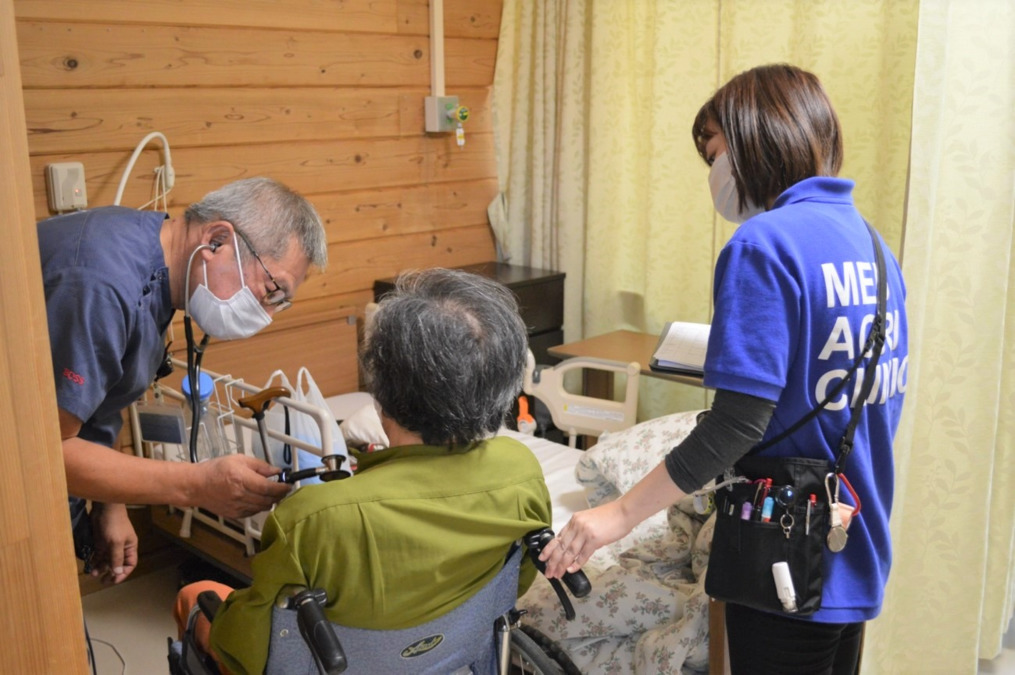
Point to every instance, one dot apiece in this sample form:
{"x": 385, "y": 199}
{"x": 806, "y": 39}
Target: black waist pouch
{"x": 746, "y": 545}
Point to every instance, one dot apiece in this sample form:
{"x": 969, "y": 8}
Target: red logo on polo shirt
{"x": 72, "y": 376}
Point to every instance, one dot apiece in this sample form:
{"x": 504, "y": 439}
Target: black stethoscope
{"x": 195, "y": 354}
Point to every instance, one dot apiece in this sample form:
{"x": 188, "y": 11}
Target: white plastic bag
{"x": 306, "y": 428}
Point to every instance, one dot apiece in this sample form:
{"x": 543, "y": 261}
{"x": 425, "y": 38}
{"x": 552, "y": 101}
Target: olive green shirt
{"x": 413, "y": 534}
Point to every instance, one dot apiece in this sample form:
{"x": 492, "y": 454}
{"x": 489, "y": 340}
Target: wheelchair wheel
{"x": 535, "y": 653}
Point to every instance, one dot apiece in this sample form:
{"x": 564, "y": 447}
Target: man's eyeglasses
{"x": 276, "y": 298}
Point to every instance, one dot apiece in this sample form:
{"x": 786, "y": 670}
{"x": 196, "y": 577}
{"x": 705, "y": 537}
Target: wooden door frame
{"x": 41, "y": 620}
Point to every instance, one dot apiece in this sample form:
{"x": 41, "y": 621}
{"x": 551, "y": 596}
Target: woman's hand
{"x": 584, "y": 535}
{"x": 592, "y": 529}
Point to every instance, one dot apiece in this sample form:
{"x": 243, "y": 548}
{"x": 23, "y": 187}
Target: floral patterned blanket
{"x": 648, "y": 612}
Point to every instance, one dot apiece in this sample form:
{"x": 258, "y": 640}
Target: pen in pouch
{"x": 811, "y": 503}
{"x": 756, "y": 500}
{"x": 766, "y": 510}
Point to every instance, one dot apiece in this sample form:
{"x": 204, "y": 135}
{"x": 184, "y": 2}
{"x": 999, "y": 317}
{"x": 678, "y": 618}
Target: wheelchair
{"x": 483, "y": 636}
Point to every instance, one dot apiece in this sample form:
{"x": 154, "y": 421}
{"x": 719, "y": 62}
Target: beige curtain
{"x": 593, "y": 104}
{"x": 949, "y": 600}
{"x": 599, "y": 179}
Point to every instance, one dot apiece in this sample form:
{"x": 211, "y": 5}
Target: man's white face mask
{"x": 238, "y": 317}
{"x": 724, "y": 192}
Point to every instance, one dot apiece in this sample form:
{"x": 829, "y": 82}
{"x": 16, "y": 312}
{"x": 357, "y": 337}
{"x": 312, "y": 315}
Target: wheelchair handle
{"x": 576, "y": 582}
{"x": 318, "y": 632}
{"x": 209, "y": 602}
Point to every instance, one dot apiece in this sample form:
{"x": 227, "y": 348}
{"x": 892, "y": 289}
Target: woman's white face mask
{"x": 238, "y": 317}
{"x": 724, "y": 192}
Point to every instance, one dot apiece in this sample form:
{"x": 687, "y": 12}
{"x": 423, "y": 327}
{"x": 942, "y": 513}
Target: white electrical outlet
{"x": 65, "y": 185}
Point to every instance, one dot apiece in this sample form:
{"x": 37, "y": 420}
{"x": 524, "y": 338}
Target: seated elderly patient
{"x": 426, "y": 523}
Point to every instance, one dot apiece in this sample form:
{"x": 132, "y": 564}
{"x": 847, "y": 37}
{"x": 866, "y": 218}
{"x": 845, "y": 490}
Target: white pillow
{"x": 363, "y": 427}
{"x": 620, "y": 459}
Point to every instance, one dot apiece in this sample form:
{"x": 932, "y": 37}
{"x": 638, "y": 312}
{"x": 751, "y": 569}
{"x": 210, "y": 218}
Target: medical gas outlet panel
{"x": 443, "y": 114}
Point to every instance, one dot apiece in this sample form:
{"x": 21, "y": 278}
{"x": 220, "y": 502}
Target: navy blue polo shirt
{"x": 108, "y": 305}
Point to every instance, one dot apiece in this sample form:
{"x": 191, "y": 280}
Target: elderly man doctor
{"x": 113, "y": 278}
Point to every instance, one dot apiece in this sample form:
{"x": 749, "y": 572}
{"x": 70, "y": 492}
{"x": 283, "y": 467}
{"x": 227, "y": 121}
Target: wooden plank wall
{"x": 326, "y": 96}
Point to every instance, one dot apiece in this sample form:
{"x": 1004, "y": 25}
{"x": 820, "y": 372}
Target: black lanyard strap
{"x": 873, "y": 345}
{"x": 878, "y": 335}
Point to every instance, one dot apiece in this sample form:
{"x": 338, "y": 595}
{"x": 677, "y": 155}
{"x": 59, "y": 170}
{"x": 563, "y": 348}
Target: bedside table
{"x": 540, "y": 296}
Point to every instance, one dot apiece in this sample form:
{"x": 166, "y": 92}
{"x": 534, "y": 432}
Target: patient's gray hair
{"x": 269, "y": 214}
{"x": 445, "y": 354}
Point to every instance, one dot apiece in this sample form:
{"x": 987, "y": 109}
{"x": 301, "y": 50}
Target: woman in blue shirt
{"x": 794, "y": 292}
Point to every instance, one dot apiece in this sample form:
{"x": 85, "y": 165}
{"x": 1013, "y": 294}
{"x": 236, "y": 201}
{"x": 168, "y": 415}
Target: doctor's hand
{"x": 586, "y": 532}
{"x": 115, "y": 555}
{"x": 237, "y": 486}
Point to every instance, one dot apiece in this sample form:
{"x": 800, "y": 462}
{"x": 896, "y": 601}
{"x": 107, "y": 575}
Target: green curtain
{"x": 593, "y": 104}
{"x": 949, "y": 599}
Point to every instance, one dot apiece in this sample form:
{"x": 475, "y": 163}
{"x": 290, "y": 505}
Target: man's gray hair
{"x": 269, "y": 214}
{"x": 445, "y": 354}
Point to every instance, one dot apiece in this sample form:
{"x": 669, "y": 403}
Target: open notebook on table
{"x": 681, "y": 348}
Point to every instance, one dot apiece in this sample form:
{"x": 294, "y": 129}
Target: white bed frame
{"x": 576, "y": 414}
{"x": 237, "y": 429}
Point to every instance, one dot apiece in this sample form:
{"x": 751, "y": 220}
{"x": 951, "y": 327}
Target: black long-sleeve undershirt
{"x": 734, "y": 425}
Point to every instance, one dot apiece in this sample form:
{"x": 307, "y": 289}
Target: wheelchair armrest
{"x": 209, "y": 602}
{"x": 576, "y": 582}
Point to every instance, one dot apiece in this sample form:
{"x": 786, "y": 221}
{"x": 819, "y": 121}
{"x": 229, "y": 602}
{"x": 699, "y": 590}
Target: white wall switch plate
{"x": 65, "y": 185}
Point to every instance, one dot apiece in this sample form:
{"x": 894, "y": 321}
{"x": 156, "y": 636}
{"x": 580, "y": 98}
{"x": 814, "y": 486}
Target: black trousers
{"x": 771, "y": 644}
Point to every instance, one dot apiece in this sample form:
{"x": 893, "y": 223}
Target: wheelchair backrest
{"x": 461, "y": 640}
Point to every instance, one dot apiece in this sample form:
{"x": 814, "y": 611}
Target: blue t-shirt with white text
{"x": 795, "y": 292}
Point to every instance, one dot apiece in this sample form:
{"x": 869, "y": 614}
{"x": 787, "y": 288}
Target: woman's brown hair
{"x": 780, "y": 128}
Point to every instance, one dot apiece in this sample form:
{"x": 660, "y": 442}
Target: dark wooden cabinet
{"x": 540, "y": 296}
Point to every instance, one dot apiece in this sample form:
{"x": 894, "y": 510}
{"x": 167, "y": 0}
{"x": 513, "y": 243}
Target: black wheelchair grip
{"x": 318, "y": 632}
{"x": 209, "y": 602}
{"x": 576, "y": 582}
